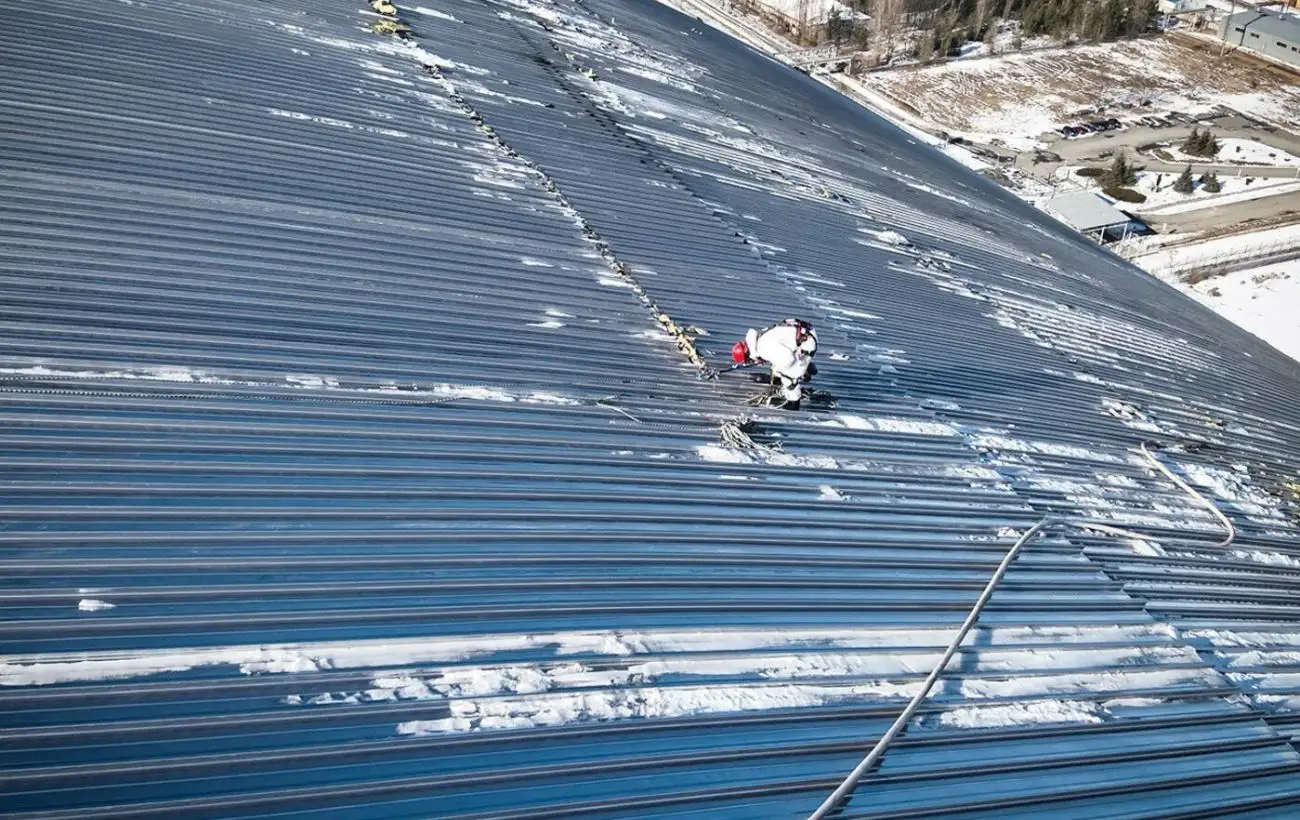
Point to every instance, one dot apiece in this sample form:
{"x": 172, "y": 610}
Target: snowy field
{"x": 1265, "y": 301}
{"x": 1016, "y": 98}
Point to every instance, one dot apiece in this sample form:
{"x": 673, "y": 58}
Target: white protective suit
{"x": 789, "y": 356}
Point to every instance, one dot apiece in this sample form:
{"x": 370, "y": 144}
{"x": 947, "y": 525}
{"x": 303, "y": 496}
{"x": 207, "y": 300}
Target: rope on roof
{"x": 850, "y": 783}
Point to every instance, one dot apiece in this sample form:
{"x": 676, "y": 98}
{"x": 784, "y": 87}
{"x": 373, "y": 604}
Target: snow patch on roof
{"x": 889, "y": 424}
{"x": 428, "y": 12}
{"x": 1021, "y": 714}
{"x": 26, "y": 670}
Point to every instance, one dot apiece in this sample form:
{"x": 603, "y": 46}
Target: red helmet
{"x": 740, "y": 353}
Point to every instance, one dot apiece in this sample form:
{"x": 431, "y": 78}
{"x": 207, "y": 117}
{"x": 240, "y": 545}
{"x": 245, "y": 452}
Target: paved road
{"x": 1222, "y": 216}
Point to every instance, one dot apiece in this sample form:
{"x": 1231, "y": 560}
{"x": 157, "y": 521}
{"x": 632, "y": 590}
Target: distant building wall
{"x": 1268, "y": 33}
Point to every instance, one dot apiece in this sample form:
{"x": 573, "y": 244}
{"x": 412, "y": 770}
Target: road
{"x": 1221, "y": 216}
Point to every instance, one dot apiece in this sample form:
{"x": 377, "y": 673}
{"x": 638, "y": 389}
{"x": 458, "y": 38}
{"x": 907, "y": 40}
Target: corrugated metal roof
{"x": 348, "y": 471}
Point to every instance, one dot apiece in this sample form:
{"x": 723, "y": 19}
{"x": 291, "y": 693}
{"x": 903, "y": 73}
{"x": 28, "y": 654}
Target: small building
{"x": 1181, "y": 6}
{"x": 1090, "y": 215}
{"x": 1269, "y": 33}
{"x": 807, "y": 21}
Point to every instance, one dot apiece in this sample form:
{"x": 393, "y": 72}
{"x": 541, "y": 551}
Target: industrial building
{"x": 1269, "y": 33}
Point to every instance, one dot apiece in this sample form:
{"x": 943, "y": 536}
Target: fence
{"x": 1213, "y": 258}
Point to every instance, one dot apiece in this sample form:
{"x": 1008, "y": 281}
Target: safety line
{"x": 850, "y": 783}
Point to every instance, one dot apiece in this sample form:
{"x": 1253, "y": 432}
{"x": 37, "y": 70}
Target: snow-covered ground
{"x": 1265, "y": 301}
{"x": 1222, "y": 251}
{"x": 1250, "y": 152}
{"x": 1244, "y": 152}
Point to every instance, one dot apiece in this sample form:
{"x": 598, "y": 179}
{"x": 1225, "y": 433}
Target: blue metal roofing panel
{"x": 350, "y": 469}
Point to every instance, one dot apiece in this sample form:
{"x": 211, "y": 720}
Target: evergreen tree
{"x": 1110, "y": 19}
{"x": 1141, "y": 13}
{"x": 1120, "y": 173}
{"x": 1210, "y": 183}
{"x": 1201, "y": 144}
{"x": 1209, "y": 145}
{"x": 1184, "y": 184}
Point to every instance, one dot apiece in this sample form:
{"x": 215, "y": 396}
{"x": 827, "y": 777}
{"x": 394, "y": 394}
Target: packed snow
{"x": 526, "y": 696}
{"x": 888, "y": 424}
{"x": 258, "y": 659}
{"x": 829, "y": 493}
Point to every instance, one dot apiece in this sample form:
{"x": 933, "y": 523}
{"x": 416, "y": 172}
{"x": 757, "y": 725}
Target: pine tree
{"x": 1140, "y": 15}
{"x": 1209, "y": 145}
{"x": 1184, "y": 184}
{"x": 1119, "y": 174}
{"x": 1201, "y": 144}
{"x": 1210, "y": 183}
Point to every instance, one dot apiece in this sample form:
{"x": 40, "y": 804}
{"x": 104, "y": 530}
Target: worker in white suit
{"x": 788, "y": 348}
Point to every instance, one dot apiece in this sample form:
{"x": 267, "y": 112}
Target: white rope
{"x": 1205, "y": 502}
{"x": 842, "y": 791}
{"x": 733, "y": 434}
{"x": 878, "y": 751}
